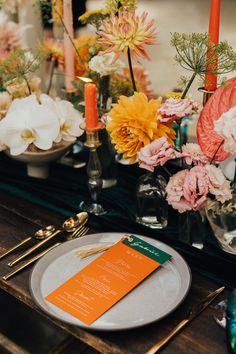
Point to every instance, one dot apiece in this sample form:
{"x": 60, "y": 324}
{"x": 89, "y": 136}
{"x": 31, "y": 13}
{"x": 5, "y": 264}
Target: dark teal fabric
{"x": 67, "y": 187}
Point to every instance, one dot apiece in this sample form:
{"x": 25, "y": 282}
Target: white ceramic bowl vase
{"x": 38, "y": 162}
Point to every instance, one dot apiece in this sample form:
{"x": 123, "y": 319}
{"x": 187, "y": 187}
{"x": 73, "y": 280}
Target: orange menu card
{"x": 103, "y": 282}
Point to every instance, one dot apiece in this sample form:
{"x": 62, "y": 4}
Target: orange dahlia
{"x": 127, "y": 30}
{"x": 134, "y": 124}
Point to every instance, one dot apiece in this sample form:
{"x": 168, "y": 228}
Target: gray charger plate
{"x": 150, "y": 301}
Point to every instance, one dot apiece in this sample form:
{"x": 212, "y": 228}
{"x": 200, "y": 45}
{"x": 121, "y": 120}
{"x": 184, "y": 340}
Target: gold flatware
{"x": 33, "y": 248}
{"x": 73, "y": 226}
{"x": 81, "y": 231}
{"x": 39, "y": 235}
{"x": 194, "y": 312}
{"x": 30, "y": 261}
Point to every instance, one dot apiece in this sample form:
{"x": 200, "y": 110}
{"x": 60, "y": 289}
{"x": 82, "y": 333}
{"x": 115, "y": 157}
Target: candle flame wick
{"x": 84, "y": 79}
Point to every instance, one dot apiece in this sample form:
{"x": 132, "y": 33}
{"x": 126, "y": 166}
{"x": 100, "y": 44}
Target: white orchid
{"x": 5, "y": 101}
{"x": 28, "y": 122}
{"x": 104, "y": 64}
{"x": 68, "y": 117}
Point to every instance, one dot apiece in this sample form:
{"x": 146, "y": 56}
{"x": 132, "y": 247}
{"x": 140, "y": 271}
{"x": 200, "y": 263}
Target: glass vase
{"x": 152, "y": 207}
{"x": 192, "y": 226}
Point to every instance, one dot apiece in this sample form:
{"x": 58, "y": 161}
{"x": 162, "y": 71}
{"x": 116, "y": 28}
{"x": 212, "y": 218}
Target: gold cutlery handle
{"x": 27, "y": 263}
{"x": 15, "y": 247}
{"x": 34, "y": 248}
{"x": 154, "y": 349}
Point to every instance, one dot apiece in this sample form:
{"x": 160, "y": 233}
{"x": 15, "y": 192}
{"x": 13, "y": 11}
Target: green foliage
{"x": 19, "y": 65}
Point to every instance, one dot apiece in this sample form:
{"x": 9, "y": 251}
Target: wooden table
{"x": 19, "y": 218}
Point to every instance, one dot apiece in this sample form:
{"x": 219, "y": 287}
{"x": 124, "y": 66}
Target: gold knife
{"x": 34, "y": 248}
{"x": 194, "y": 312}
{"x": 30, "y": 261}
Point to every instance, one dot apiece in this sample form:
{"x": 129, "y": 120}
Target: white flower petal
{"x": 23, "y": 103}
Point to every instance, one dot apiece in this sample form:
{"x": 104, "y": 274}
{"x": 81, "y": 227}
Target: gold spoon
{"x": 71, "y": 224}
{"x": 75, "y": 223}
{"x": 39, "y": 235}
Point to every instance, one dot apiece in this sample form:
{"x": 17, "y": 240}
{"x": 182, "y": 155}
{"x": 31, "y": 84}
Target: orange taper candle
{"x": 91, "y": 109}
{"x": 214, "y": 28}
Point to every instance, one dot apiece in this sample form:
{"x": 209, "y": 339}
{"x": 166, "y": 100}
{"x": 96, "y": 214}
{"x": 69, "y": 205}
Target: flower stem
{"x": 233, "y": 184}
{"x": 131, "y": 70}
{"x": 28, "y": 85}
{"x": 189, "y": 85}
{"x": 180, "y": 134}
{"x": 218, "y": 148}
{"x": 51, "y": 72}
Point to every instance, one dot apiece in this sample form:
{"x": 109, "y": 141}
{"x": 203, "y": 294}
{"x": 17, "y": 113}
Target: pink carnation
{"x": 225, "y": 127}
{"x": 174, "y": 109}
{"x": 218, "y": 185}
{"x": 188, "y": 189}
{"x": 175, "y": 192}
{"x": 192, "y": 153}
{"x": 156, "y": 153}
{"x": 196, "y": 187}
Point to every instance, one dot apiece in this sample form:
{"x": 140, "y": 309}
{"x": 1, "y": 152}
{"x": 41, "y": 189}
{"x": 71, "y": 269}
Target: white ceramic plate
{"x": 153, "y": 299}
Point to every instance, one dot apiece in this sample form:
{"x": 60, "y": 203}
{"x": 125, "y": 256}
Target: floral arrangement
{"x": 32, "y": 120}
{"x": 141, "y": 126}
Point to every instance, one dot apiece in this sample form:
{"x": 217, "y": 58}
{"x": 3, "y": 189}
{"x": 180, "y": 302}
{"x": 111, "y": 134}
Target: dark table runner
{"x": 66, "y": 187}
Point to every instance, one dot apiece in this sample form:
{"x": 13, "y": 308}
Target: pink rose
{"x": 196, "y": 187}
{"x": 175, "y": 192}
{"x": 174, "y": 109}
{"x": 156, "y": 153}
{"x": 225, "y": 127}
{"x": 218, "y": 185}
{"x": 192, "y": 153}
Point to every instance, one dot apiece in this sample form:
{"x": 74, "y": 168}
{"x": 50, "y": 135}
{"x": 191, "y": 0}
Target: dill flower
{"x": 134, "y": 124}
{"x": 127, "y": 31}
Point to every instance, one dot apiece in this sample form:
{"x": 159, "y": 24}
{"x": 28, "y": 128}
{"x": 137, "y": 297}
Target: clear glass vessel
{"x": 152, "y": 207}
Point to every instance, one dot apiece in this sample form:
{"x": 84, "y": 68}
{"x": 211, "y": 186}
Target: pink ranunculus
{"x": 156, "y": 153}
{"x": 225, "y": 126}
{"x": 175, "y": 192}
{"x": 176, "y": 108}
{"x": 192, "y": 153}
{"x": 218, "y": 185}
{"x": 196, "y": 187}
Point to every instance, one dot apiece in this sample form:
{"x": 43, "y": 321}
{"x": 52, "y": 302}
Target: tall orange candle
{"x": 91, "y": 110}
{"x": 68, "y": 47}
{"x": 214, "y": 28}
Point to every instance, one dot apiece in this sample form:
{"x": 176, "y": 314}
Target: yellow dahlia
{"x": 134, "y": 124}
{"x": 127, "y": 30}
